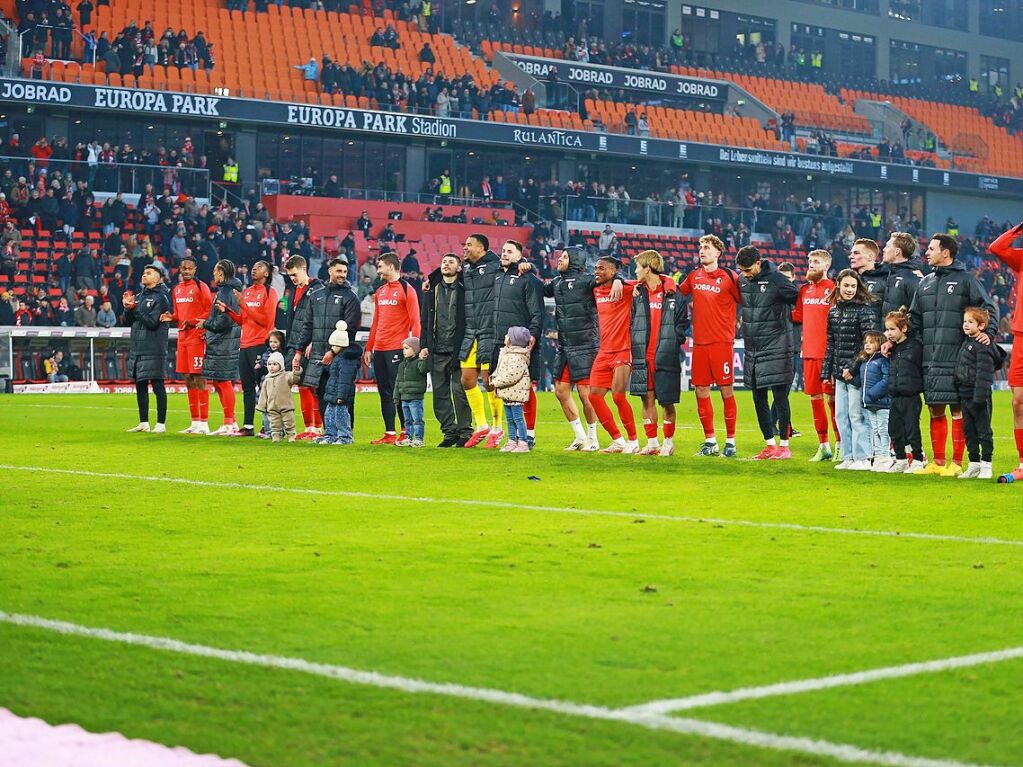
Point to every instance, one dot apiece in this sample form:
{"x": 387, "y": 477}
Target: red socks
{"x": 529, "y": 409}
{"x": 706, "y": 410}
{"x": 834, "y": 423}
{"x": 225, "y": 390}
{"x": 193, "y": 404}
{"x": 650, "y": 429}
{"x": 625, "y": 413}
{"x": 203, "y": 400}
{"x": 607, "y": 420}
{"x": 1019, "y": 444}
{"x": 820, "y": 419}
{"x": 310, "y": 408}
{"x": 669, "y": 429}
{"x": 958, "y": 440}
{"x": 731, "y": 415}
{"x": 939, "y": 434}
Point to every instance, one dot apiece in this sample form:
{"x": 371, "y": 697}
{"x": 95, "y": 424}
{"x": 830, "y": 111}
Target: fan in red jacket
{"x": 257, "y": 316}
{"x": 191, "y": 301}
{"x": 1013, "y": 258}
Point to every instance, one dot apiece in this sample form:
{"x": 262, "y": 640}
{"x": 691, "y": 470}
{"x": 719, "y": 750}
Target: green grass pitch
{"x": 528, "y": 593}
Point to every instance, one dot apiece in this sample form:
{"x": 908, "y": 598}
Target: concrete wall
{"x": 967, "y": 211}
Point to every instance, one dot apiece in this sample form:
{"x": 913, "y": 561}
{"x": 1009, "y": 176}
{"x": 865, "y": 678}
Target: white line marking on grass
{"x": 797, "y": 687}
{"x": 722, "y": 732}
{"x": 790, "y": 526}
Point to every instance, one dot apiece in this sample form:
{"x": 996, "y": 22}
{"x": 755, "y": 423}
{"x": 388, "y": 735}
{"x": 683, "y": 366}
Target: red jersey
{"x": 396, "y": 316}
{"x": 191, "y": 301}
{"x": 258, "y": 314}
{"x": 716, "y": 300}
{"x": 811, "y": 312}
{"x": 656, "y": 299}
{"x": 614, "y": 317}
{"x": 1012, "y": 258}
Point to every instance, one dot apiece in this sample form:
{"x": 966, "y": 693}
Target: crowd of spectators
{"x": 136, "y": 50}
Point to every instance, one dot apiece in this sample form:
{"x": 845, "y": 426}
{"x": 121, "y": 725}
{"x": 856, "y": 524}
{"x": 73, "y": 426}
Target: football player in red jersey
{"x": 1013, "y": 258}
{"x": 811, "y": 312}
{"x": 612, "y": 366}
{"x": 191, "y": 301}
{"x": 716, "y": 301}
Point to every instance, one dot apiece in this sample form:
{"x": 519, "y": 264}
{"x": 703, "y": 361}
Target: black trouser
{"x": 250, "y": 381}
{"x": 977, "y": 426}
{"x": 781, "y": 405}
{"x": 904, "y": 426}
{"x": 385, "y": 369}
{"x": 142, "y": 398}
{"x": 449, "y": 404}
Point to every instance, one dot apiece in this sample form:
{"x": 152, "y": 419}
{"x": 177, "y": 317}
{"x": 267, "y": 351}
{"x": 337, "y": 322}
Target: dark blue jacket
{"x": 874, "y": 373}
{"x": 341, "y": 375}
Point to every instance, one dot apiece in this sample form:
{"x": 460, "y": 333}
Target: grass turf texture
{"x": 603, "y": 610}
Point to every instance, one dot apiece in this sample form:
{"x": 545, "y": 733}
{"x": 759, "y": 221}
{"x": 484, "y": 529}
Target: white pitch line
{"x": 789, "y": 526}
{"x": 727, "y": 733}
{"x": 800, "y": 686}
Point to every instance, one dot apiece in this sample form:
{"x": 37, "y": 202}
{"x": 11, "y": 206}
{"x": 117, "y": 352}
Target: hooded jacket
{"x": 147, "y": 357}
{"x": 767, "y": 302}
{"x": 847, "y": 322}
{"x": 318, "y": 313}
{"x": 518, "y": 301}
{"x": 410, "y": 380}
{"x": 511, "y": 376}
{"x": 901, "y": 286}
{"x": 975, "y": 369}
{"x": 576, "y": 314}
{"x": 275, "y": 393}
{"x": 435, "y": 293}
{"x": 876, "y": 280}
{"x": 936, "y": 318}
{"x": 341, "y": 375}
{"x": 671, "y": 334}
{"x": 905, "y": 369}
{"x": 875, "y": 375}
{"x": 478, "y": 281}
{"x": 223, "y": 336}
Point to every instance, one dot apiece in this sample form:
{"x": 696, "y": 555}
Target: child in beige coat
{"x": 276, "y": 400}
{"x": 512, "y": 385}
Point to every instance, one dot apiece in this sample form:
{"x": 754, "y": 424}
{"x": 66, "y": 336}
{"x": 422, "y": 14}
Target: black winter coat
{"x": 223, "y": 336}
{"x": 936, "y": 318}
{"x": 667, "y": 372}
{"x": 876, "y": 281}
{"x": 478, "y": 280}
{"x": 767, "y": 302}
{"x": 905, "y": 369}
{"x": 902, "y": 284}
{"x": 147, "y": 357}
{"x": 576, "y": 314}
{"x": 518, "y": 301}
{"x": 428, "y": 312}
{"x": 410, "y": 380}
{"x": 317, "y": 318}
{"x": 343, "y": 371}
{"x": 290, "y": 291}
{"x": 847, "y": 322}
{"x": 975, "y": 369}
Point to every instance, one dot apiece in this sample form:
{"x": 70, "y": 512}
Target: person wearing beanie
{"x": 512, "y": 383}
{"x": 339, "y": 394}
{"x": 275, "y": 397}
{"x": 410, "y": 383}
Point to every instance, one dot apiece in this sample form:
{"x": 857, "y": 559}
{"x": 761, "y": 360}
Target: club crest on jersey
{"x": 763, "y": 287}
{"x": 570, "y": 283}
{"x": 951, "y": 287}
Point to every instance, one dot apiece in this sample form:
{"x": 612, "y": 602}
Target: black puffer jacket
{"x": 936, "y": 318}
{"x": 876, "y": 281}
{"x": 905, "y": 369}
{"x": 975, "y": 369}
{"x": 847, "y": 322}
{"x": 576, "y": 315}
{"x": 902, "y": 284}
{"x": 318, "y": 313}
{"x": 223, "y": 336}
{"x": 478, "y": 280}
{"x": 518, "y": 300}
{"x": 668, "y": 352}
{"x": 291, "y": 291}
{"x": 147, "y": 358}
{"x": 767, "y": 302}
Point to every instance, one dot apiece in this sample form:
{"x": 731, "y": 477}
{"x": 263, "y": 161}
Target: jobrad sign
{"x": 285, "y": 115}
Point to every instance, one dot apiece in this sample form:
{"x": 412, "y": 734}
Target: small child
{"x": 905, "y": 385}
{"x": 876, "y": 400}
{"x": 275, "y": 398}
{"x": 275, "y": 343}
{"x": 975, "y": 375}
{"x": 339, "y": 394}
{"x": 512, "y": 384}
{"x": 410, "y": 384}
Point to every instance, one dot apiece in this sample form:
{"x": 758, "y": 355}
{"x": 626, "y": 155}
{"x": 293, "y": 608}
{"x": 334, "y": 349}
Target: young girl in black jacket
{"x": 905, "y": 385}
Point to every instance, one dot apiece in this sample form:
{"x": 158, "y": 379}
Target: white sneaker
{"x": 201, "y": 428}
{"x": 898, "y": 467}
{"x": 160, "y": 428}
{"x": 861, "y": 465}
{"x": 141, "y": 427}
{"x": 916, "y": 467}
{"x": 844, "y": 464}
{"x": 882, "y": 465}
{"x": 616, "y": 446}
{"x": 227, "y": 430}
{"x": 631, "y": 447}
{"x": 652, "y": 448}
{"x": 971, "y": 472}
{"x": 577, "y": 444}
{"x": 591, "y": 446}
{"x": 985, "y": 470}
{"x": 667, "y": 449}
{"x": 190, "y": 429}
